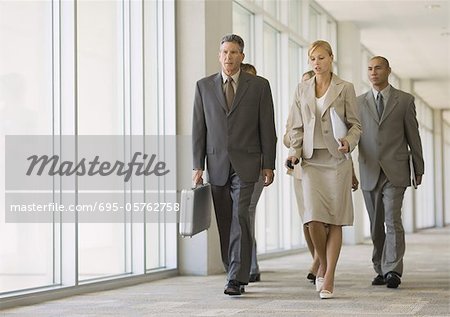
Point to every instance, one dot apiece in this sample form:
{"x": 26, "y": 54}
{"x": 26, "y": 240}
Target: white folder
{"x": 339, "y": 128}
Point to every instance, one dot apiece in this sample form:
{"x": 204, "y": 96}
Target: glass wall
{"x": 314, "y": 24}
{"x": 78, "y": 68}
{"x": 27, "y": 257}
{"x": 243, "y": 24}
{"x": 424, "y": 206}
{"x": 446, "y": 173}
{"x": 279, "y": 32}
{"x": 101, "y": 246}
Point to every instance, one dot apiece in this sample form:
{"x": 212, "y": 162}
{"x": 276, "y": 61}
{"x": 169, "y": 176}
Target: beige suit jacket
{"x": 299, "y": 135}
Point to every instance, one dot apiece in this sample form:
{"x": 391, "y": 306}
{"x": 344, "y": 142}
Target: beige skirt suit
{"x": 326, "y": 172}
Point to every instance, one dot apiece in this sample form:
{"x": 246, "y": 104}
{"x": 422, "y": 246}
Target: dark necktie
{"x": 229, "y": 92}
{"x": 380, "y": 104}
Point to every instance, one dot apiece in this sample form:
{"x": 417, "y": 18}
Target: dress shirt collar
{"x": 386, "y": 92}
{"x": 235, "y": 77}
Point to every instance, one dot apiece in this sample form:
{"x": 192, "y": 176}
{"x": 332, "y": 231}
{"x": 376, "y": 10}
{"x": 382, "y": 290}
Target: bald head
{"x": 382, "y": 59}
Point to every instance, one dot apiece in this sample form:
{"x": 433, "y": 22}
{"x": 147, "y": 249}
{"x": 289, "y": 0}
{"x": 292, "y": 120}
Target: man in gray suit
{"x": 233, "y": 129}
{"x": 390, "y": 133}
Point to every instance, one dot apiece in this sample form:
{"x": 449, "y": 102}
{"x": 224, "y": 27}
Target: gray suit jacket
{"x": 244, "y": 137}
{"x": 384, "y": 142}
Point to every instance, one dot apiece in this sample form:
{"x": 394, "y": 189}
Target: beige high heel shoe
{"x": 319, "y": 283}
{"x": 324, "y": 294}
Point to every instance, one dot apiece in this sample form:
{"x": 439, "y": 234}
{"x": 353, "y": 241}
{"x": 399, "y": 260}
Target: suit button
{"x": 326, "y": 131}
{"x": 323, "y": 119}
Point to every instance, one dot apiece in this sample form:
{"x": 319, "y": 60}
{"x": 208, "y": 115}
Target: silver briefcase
{"x": 195, "y": 210}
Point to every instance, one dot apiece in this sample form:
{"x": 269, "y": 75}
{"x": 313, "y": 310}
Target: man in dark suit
{"x": 390, "y": 132}
{"x": 234, "y": 130}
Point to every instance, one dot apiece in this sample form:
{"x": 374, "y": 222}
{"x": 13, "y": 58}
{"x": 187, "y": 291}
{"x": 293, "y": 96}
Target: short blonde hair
{"x": 320, "y": 43}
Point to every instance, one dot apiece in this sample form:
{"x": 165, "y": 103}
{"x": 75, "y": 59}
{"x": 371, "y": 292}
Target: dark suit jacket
{"x": 384, "y": 142}
{"x": 245, "y": 136}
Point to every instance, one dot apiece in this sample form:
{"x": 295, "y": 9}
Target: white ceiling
{"x": 413, "y": 35}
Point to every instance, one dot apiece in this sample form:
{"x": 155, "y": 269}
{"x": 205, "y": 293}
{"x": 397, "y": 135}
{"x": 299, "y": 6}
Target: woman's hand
{"x": 291, "y": 161}
{"x": 344, "y": 147}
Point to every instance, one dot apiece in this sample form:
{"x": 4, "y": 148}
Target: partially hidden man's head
{"x": 308, "y": 75}
{"x": 248, "y": 68}
{"x": 231, "y": 53}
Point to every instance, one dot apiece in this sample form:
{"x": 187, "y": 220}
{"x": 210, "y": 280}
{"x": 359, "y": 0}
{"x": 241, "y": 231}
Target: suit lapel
{"x": 218, "y": 89}
{"x": 333, "y": 92}
{"x": 310, "y": 95}
{"x": 391, "y": 104}
{"x": 370, "y": 104}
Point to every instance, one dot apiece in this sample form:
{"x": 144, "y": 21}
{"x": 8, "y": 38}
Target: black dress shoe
{"x": 379, "y": 280}
{"x": 242, "y": 289}
{"x": 393, "y": 280}
{"x": 233, "y": 288}
{"x": 255, "y": 277}
{"x": 311, "y": 277}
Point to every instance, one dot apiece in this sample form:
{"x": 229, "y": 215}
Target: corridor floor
{"x": 284, "y": 290}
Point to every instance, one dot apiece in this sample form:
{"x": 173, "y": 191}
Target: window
{"x": 295, "y": 16}
{"x": 243, "y": 26}
{"x": 101, "y": 246}
{"x": 270, "y": 218}
{"x": 78, "y": 68}
{"x": 26, "y": 249}
{"x": 314, "y": 24}
{"x": 276, "y": 45}
{"x": 424, "y": 208}
{"x": 446, "y": 178}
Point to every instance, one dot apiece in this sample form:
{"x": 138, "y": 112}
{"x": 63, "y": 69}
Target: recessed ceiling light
{"x": 432, "y": 6}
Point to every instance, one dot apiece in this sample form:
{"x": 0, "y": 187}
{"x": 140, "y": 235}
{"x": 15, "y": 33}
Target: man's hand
{"x": 197, "y": 178}
{"x": 418, "y": 179}
{"x": 268, "y": 176}
{"x": 355, "y": 182}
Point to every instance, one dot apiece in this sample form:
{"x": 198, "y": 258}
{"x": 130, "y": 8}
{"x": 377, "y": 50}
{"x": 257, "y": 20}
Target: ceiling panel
{"x": 413, "y": 35}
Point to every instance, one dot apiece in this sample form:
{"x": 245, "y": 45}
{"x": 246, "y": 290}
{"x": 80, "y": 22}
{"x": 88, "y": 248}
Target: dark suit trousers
{"x": 231, "y": 203}
{"x": 257, "y": 191}
{"x": 384, "y": 204}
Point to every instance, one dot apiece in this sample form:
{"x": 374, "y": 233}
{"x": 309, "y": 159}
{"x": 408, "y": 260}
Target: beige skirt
{"x": 327, "y": 189}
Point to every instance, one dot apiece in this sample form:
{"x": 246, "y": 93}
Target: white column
{"x": 349, "y": 69}
{"x": 200, "y": 26}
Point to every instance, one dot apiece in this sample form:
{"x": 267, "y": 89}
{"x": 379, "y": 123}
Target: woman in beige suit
{"x": 327, "y": 173}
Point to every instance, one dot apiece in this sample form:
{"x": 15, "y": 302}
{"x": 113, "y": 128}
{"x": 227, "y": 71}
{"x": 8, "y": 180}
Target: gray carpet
{"x": 284, "y": 290}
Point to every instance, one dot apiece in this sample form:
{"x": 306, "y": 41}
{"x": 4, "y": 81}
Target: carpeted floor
{"x": 284, "y": 290}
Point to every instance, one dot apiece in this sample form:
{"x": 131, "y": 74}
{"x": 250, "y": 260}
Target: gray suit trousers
{"x": 384, "y": 204}
{"x": 259, "y": 186}
{"x": 231, "y": 203}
